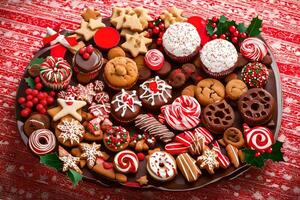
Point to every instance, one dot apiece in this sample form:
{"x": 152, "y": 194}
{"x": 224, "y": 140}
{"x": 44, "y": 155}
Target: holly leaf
{"x": 222, "y": 19}
{"x": 276, "y": 154}
{"x": 254, "y": 27}
{"x": 30, "y": 82}
{"x": 241, "y": 28}
{"x": 74, "y": 176}
{"x": 252, "y": 160}
{"x": 131, "y": 133}
{"x": 209, "y": 28}
{"x": 36, "y": 61}
{"x": 51, "y": 160}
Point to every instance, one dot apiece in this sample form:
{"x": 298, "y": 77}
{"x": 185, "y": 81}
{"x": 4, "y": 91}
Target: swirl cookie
{"x": 42, "y": 141}
{"x": 126, "y": 162}
{"x": 120, "y": 73}
{"x": 256, "y": 106}
{"x": 253, "y": 49}
{"x": 161, "y": 166}
{"x": 183, "y": 113}
{"x": 209, "y": 91}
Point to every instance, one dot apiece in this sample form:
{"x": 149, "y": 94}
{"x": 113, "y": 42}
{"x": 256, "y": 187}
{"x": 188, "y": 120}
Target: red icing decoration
{"x": 153, "y": 86}
{"x": 69, "y": 102}
{"x": 102, "y": 34}
{"x": 200, "y": 25}
{"x": 107, "y": 165}
{"x": 58, "y": 51}
{"x": 176, "y": 148}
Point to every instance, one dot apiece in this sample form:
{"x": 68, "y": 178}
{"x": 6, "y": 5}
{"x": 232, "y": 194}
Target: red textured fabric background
{"x": 22, "y": 25}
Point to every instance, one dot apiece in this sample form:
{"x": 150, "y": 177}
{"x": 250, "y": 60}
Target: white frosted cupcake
{"x": 218, "y": 58}
{"x": 181, "y": 42}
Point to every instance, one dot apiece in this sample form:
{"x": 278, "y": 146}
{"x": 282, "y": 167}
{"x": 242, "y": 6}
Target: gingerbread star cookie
{"x": 85, "y": 31}
{"x": 136, "y": 44}
{"x": 89, "y": 14}
{"x": 143, "y": 180}
{"x": 69, "y": 161}
{"x": 143, "y": 16}
{"x": 172, "y": 15}
{"x": 69, "y": 107}
{"x": 96, "y": 23}
{"x": 208, "y": 161}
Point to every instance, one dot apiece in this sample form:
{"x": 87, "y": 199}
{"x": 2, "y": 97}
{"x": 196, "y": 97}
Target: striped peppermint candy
{"x": 176, "y": 148}
{"x": 154, "y": 59}
{"x": 183, "y": 114}
{"x": 258, "y": 138}
{"x": 254, "y": 49}
{"x": 188, "y": 137}
{"x": 222, "y": 159}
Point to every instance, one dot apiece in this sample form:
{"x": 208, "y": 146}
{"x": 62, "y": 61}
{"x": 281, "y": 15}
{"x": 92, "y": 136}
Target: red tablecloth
{"x": 22, "y": 25}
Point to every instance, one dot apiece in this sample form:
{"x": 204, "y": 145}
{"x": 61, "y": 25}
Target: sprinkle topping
{"x": 218, "y": 55}
{"x": 181, "y": 39}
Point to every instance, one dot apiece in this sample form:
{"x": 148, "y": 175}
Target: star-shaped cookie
{"x": 136, "y": 44}
{"x": 85, "y": 31}
{"x": 96, "y": 23}
{"x": 89, "y": 14}
{"x": 132, "y": 22}
{"x": 69, "y": 107}
{"x": 172, "y": 15}
{"x": 69, "y": 161}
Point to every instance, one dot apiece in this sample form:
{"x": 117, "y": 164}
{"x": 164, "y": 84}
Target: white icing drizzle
{"x": 71, "y": 130}
{"x": 90, "y": 152}
{"x": 218, "y": 55}
{"x": 181, "y": 39}
{"x": 189, "y": 167}
{"x": 70, "y": 162}
{"x": 155, "y": 88}
{"x": 126, "y": 101}
{"x": 161, "y": 166}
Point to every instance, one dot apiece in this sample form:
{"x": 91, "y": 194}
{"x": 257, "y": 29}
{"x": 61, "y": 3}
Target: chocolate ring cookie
{"x": 217, "y": 117}
{"x": 256, "y": 106}
{"x": 209, "y": 91}
{"x": 234, "y": 137}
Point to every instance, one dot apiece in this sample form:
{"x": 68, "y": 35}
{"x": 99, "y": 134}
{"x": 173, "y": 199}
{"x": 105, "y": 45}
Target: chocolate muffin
{"x": 125, "y": 106}
{"x": 155, "y": 93}
{"x": 87, "y": 63}
{"x": 165, "y": 70}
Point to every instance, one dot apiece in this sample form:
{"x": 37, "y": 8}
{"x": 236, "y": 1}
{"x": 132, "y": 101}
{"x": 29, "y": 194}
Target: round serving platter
{"x": 178, "y": 183}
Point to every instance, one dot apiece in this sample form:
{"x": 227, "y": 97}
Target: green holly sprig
{"x": 52, "y": 160}
{"x": 258, "y": 161}
{"x": 228, "y": 29}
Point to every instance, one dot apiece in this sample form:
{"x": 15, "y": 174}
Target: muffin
{"x": 218, "y": 58}
{"x": 55, "y": 73}
{"x": 87, "y": 63}
{"x": 155, "y": 93}
{"x": 116, "y": 138}
{"x": 125, "y": 106}
{"x": 120, "y": 73}
{"x": 255, "y": 75}
{"x": 181, "y": 42}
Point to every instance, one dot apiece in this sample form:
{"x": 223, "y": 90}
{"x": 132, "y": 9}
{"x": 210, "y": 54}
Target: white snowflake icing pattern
{"x": 99, "y": 110}
{"x": 208, "y": 159}
{"x": 70, "y": 162}
{"x": 71, "y": 130}
{"x": 156, "y": 87}
{"x": 86, "y": 93}
{"x": 126, "y": 101}
{"x": 90, "y": 153}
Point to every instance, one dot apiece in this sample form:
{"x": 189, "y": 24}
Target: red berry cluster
{"x": 232, "y": 34}
{"x": 86, "y": 52}
{"x": 156, "y": 30}
{"x": 35, "y": 98}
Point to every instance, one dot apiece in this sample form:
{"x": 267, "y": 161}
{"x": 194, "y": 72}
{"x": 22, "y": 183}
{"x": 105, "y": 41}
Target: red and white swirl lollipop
{"x": 42, "y": 141}
{"x": 254, "y": 49}
{"x": 259, "y": 139}
{"x": 183, "y": 113}
{"x": 154, "y": 59}
{"x": 126, "y": 162}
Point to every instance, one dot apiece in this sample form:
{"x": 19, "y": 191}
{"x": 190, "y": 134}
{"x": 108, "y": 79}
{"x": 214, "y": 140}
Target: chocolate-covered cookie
{"x": 217, "y": 117}
{"x": 256, "y": 106}
{"x": 165, "y": 70}
{"x": 35, "y": 122}
{"x": 177, "y": 78}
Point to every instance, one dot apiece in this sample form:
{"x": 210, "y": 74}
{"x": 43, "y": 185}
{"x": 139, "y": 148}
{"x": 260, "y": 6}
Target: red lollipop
{"x": 200, "y": 25}
{"x": 154, "y": 59}
{"x": 106, "y": 38}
